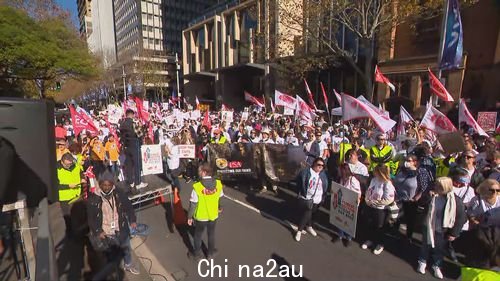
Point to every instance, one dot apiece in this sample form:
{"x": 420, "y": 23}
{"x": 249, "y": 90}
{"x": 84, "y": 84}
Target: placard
{"x": 114, "y": 114}
{"x": 152, "y": 163}
{"x": 244, "y": 116}
{"x": 227, "y": 116}
{"x": 288, "y": 111}
{"x": 487, "y": 120}
{"x": 187, "y": 151}
{"x": 452, "y": 142}
{"x": 344, "y": 209}
{"x": 195, "y": 115}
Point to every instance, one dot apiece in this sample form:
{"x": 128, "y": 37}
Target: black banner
{"x": 279, "y": 163}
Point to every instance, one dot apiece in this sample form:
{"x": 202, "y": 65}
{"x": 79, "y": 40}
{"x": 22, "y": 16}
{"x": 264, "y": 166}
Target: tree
{"x": 366, "y": 20}
{"x": 41, "y": 51}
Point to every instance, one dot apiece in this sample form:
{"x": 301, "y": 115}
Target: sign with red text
{"x": 187, "y": 151}
{"x": 152, "y": 163}
{"x": 487, "y": 120}
{"x": 344, "y": 209}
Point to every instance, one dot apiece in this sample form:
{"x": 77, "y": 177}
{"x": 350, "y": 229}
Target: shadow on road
{"x": 281, "y": 261}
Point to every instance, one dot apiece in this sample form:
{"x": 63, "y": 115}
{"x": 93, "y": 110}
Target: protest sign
{"x": 344, "y": 209}
{"x": 114, "y": 113}
{"x": 195, "y": 115}
{"x": 187, "y": 151}
{"x": 152, "y": 163}
{"x": 288, "y": 111}
{"x": 452, "y": 142}
{"x": 487, "y": 120}
{"x": 227, "y": 116}
{"x": 244, "y": 115}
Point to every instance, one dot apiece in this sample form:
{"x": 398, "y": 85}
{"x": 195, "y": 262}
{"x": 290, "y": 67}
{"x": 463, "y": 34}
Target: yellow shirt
{"x": 112, "y": 149}
{"x": 97, "y": 153}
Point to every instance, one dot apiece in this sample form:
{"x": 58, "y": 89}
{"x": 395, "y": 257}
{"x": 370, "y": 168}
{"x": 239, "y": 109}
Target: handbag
{"x": 309, "y": 203}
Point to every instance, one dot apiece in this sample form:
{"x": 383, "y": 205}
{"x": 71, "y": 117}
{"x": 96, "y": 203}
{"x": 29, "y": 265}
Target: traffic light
{"x": 58, "y": 86}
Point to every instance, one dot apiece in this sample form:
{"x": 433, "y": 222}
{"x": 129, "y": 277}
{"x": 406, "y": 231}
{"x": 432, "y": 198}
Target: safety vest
{"x": 383, "y": 156}
{"x": 222, "y": 140}
{"x": 207, "y": 208}
{"x": 67, "y": 177}
{"x": 476, "y": 274}
{"x": 343, "y": 148}
{"x": 441, "y": 169}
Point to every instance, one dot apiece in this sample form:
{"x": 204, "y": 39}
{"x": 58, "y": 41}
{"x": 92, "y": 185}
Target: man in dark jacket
{"x": 131, "y": 138}
{"x": 109, "y": 215}
{"x": 312, "y": 184}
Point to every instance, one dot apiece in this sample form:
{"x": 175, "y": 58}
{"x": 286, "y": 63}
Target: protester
{"x": 110, "y": 214}
{"x": 97, "y": 155}
{"x": 204, "y": 210}
{"x": 406, "y": 184}
{"x": 312, "y": 185}
{"x": 468, "y": 162}
{"x": 112, "y": 154}
{"x": 378, "y": 196}
{"x": 445, "y": 218}
{"x": 349, "y": 181}
{"x": 484, "y": 209}
{"x": 381, "y": 152}
{"x": 61, "y": 148}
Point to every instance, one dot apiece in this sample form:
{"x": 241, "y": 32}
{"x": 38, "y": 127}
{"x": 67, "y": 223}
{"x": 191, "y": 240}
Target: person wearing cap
{"x": 218, "y": 138}
{"x": 291, "y": 139}
{"x": 70, "y": 180}
{"x": 381, "y": 152}
{"x": 61, "y": 148}
{"x": 254, "y": 136}
{"x": 265, "y": 136}
{"x": 110, "y": 217}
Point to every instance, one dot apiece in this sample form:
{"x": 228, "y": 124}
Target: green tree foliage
{"x": 40, "y": 52}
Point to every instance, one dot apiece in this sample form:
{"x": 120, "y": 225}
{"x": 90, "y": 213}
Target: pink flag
{"x": 82, "y": 121}
{"x": 284, "y": 99}
{"x": 304, "y": 112}
{"x": 379, "y": 110}
{"x": 404, "y": 119}
{"x": 254, "y": 100}
{"x": 379, "y": 77}
{"x": 310, "y": 96}
{"x": 438, "y": 88}
{"x": 353, "y": 108}
{"x": 465, "y": 116}
{"x": 339, "y": 98}
{"x": 435, "y": 121}
{"x": 324, "y": 95}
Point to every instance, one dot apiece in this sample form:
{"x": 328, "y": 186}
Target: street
{"x": 245, "y": 237}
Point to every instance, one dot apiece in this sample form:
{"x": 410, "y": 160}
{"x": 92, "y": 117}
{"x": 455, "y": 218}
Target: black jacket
{"x": 460, "y": 217}
{"x": 127, "y": 131}
{"x": 126, "y": 213}
{"x": 303, "y": 182}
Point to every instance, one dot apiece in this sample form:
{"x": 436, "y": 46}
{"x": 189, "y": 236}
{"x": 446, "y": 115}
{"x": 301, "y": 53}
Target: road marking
{"x": 142, "y": 250}
{"x": 285, "y": 223}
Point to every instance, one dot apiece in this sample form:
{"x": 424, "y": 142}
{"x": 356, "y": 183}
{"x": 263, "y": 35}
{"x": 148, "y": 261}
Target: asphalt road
{"x": 246, "y": 237}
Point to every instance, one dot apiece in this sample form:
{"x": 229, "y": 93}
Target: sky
{"x": 70, "y": 5}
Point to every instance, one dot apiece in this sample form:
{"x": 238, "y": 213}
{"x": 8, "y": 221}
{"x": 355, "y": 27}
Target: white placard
{"x": 195, "y": 114}
{"x": 227, "y": 116}
{"x": 114, "y": 113}
{"x": 288, "y": 111}
{"x": 187, "y": 151}
{"x": 145, "y": 105}
{"x": 344, "y": 209}
{"x": 244, "y": 115}
{"x": 152, "y": 163}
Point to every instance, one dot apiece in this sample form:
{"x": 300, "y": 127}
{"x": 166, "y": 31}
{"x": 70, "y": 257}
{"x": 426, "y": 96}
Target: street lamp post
{"x": 177, "y": 69}
{"x": 124, "y": 84}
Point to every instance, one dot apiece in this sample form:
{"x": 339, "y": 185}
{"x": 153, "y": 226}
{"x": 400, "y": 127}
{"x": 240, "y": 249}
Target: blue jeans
{"x": 437, "y": 252}
{"x": 344, "y": 235}
{"x": 127, "y": 252}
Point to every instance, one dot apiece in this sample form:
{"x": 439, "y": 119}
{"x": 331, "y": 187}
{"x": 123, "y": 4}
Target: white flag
{"x": 404, "y": 119}
{"x": 353, "y": 108}
{"x": 284, "y": 99}
{"x": 465, "y": 116}
{"x": 435, "y": 121}
{"x": 379, "y": 109}
{"x": 303, "y": 110}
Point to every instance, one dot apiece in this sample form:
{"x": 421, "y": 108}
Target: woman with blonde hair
{"x": 379, "y": 195}
{"x": 481, "y": 211}
{"x": 444, "y": 221}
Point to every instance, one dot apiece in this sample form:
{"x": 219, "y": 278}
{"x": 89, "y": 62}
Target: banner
{"x": 451, "y": 58}
{"x": 487, "y": 120}
{"x": 344, "y": 209}
{"x": 435, "y": 121}
{"x": 465, "y": 116}
{"x": 284, "y": 100}
{"x": 232, "y": 160}
{"x": 187, "y": 151}
{"x": 82, "y": 121}
{"x": 282, "y": 163}
{"x": 152, "y": 163}
{"x": 304, "y": 112}
{"x": 257, "y": 101}
{"x": 244, "y": 116}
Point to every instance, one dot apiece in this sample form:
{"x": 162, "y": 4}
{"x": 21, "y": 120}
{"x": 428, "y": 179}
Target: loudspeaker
{"x": 27, "y": 128}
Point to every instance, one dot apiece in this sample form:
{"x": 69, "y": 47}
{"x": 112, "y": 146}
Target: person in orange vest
{"x": 97, "y": 155}
{"x": 112, "y": 154}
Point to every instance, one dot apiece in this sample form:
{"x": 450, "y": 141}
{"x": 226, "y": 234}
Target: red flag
{"x": 310, "y": 95}
{"x": 81, "y": 121}
{"x": 438, "y": 88}
{"x": 379, "y": 77}
{"x": 206, "y": 121}
{"x": 435, "y": 121}
{"x": 324, "y": 95}
{"x": 141, "y": 111}
{"x": 254, "y": 100}
{"x": 465, "y": 116}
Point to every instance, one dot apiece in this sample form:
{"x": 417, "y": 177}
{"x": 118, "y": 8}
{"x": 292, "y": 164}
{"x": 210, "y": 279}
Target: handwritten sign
{"x": 487, "y": 120}
{"x": 227, "y": 116}
{"x": 152, "y": 163}
{"x": 187, "y": 151}
{"x": 344, "y": 209}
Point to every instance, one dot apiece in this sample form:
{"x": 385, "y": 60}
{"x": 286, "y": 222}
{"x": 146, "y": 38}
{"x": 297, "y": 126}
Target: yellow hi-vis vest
{"x": 343, "y": 148}
{"x": 207, "y": 208}
{"x": 222, "y": 140}
{"x": 476, "y": 274}
{"x": 66, "y": 177}
{"x": 384, "y": 156}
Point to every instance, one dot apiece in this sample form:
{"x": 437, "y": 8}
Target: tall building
{"x": 102, "y": 39}
{"x": 85, "y": 16}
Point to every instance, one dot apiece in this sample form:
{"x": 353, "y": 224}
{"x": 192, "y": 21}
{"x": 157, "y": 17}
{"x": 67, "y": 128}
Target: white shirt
{"x": 322, "y": 147}
{"x": 466, "y": 193}
{"x": 353, "y": 184}
{"x": 269, "y": 140}
{"x": 173, "y": 157}
{"x": 359, "y": 169}
{"x": 314, "y": 188}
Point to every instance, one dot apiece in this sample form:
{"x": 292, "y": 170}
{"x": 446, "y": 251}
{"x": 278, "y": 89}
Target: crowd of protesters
{"x": 451, "y": 199}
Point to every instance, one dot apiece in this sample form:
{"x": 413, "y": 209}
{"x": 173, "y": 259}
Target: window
{"x": 151, "y": 41}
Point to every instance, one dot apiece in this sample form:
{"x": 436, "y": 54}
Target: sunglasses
{"x": 381, "y": 139}
{"x": 320, "y": 165}
{"x": 493, "y": 190}
{"x": 469, "y": 157}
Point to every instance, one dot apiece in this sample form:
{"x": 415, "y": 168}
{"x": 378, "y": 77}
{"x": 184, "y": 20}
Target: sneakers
{"x": 378, "y": 250}
{"x": 275, "y": 189}
{"x": 421, "y": 267}
{"x": 264, "y": 189}
{"x": 367, "y": 244}
{"x": 311, "y": 231}
{"x": 131, "y": 269}
{"x": 437, "y": 272}
{"x": 142, "y": 185}
{"x": 298, "y": 235}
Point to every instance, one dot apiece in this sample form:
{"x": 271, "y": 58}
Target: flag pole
{"x": 433, "y": 98}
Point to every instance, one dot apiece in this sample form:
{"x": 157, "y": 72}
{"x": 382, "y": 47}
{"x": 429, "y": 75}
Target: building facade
{"x": 101, "y": 40}
{"x": 85, "y": 17}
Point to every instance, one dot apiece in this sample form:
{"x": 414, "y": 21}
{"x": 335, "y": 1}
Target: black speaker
{"x": 27, "y": 127}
